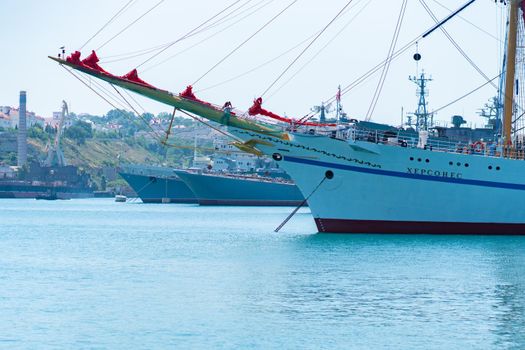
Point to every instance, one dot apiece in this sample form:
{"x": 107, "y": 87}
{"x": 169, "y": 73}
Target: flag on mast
{"x": 338, "y": 94}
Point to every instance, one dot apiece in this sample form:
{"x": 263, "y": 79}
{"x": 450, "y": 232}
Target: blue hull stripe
{"x": 405, "y": 175}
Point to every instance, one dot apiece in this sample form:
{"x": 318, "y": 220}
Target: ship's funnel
{"x": 22, "y": 131}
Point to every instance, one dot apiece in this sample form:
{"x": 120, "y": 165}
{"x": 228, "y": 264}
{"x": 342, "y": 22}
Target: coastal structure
{"x": 22, "y": 131}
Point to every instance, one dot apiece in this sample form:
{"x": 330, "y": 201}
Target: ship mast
{"x": 510, "y": 72}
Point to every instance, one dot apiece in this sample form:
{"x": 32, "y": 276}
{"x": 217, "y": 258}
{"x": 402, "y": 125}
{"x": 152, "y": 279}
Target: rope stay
{"x": 471, "y": 23}
{"x": 186, "y": 35}
{"x": 455, "y": 44}
{"x": 257, "y": 67}
{"x": 319, "y": 51}
{"x": 377, "y": 67}
{"x": 306, "y": 48}
{"x": 125, "y": 7}
{"x": 210, "y": 36}
{"x": 467, "y": 94}
{"x": 278, "y": 228}
{"x": 245, "y": 41}
{"x": 129, "y": 25}
{"x": 154, "y": 134}
{"x": 145, "y": 51}
{"x": 388, "y": 60}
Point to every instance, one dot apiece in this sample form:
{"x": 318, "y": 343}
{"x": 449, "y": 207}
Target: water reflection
{"x": 471, "y": 288}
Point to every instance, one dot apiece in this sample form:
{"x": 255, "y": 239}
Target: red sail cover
{"x": 74, "y": 58}
{"x": 133, "y": 76}
{"x": 91, "y": 62}
{"x": 188, "y": 93}
{"x": 257, "y": 109}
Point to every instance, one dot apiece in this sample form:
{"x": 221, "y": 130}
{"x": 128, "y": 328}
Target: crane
{"x": 54, "y": 154}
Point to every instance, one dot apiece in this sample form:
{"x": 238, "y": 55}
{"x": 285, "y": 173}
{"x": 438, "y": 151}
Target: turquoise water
{"x": 95, "y": 274}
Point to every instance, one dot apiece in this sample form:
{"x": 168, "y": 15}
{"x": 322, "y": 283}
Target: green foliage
{"x": 106, "y": 134}
{"x": 50, "y": 130}
{"x": 147, "y": 116}
{"x": 37, "y": 132}
{"x": 116, "y": 183}
{"x": 79, "y": 131}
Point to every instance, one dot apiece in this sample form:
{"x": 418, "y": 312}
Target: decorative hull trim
{"x": 415, "y": 227}
{"x": 249, "y": 202}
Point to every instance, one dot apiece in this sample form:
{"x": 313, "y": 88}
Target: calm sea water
{"x": 95, "y": 274}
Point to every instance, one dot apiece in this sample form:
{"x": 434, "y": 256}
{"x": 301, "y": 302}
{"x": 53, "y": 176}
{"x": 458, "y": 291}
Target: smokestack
{"x": 22, "y": 131}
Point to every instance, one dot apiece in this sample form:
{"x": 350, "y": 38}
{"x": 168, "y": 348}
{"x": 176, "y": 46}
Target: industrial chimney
{"x": 22, "y": 131}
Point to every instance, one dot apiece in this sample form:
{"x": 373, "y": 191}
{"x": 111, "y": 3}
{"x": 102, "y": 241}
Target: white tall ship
{"x": 366, "y": 181}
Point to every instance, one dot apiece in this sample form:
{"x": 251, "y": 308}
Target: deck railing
{"x": 411, "y": 140}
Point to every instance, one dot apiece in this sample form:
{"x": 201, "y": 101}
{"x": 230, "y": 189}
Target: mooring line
{"x": 300, "y": 205}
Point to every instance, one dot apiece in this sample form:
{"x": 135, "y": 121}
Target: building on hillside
{"x": 8, "y": 142}
{"x": 5, "y": 121}
{"x": 12, "y": 114}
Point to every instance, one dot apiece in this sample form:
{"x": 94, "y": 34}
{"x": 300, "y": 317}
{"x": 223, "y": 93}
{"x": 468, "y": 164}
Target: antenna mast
{"x": 424, "y": 120}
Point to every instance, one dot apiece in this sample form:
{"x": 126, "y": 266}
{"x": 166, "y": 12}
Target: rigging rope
{"x": 210, "y": 126}
{"x": 210, "y": 36}
{"x": 159, "y": 137}
{"x": 300, "y": 205}
{"x": 306, "y": 48}
{"x": 108, "y": 23}
{"x": 469, "y": 22}
{"x": 129, "y": 25}
{"x": 134, "y": 100}
{"x": 456, "y": 45}
{"x": 155, "y": 134}
{"x": 186, "y": 35}
{"x": 245, "y": 41}
{"x": 317, "y": 53}
{"x": 256, "y": 68}
{"x": 374, "y": 69}
{"x": 388, "y": 60}
{"x": 137, "y": 53}
{"x": 467, "y": 94}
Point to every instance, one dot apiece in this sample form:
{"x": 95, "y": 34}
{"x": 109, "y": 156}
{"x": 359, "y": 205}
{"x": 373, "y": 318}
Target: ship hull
{"x": 154, "y": 188}
{"x": 21, "y": 189}
{"x": 229, "y": 190}
{"x": 415, "y": 227}
{"x": 379, "y": 188}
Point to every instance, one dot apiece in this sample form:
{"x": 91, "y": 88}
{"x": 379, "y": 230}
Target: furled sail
{"x": 185, "y": 101}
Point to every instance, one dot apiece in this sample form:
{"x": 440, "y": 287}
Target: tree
{"x": 79, "y": 131}
{"x": 148, "y": 116}
{"x": 103, "y": 183}
{"x": 37, "y": 132}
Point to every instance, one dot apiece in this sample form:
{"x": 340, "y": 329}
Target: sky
{"x": 354, "y": 43}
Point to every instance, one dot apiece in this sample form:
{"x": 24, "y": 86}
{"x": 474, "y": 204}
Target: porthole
{"x": 458, "y": 164}
{"x": 450, "y": 163}
{"x": 411, "y": 158}
{"x": 466, "y": 165}
{"x": 497, "y": 168}
{"x": 277, "y": 156}
{"x": 490, "y": 167}
{"x": 427, "y": 160}
{"x": 419, "y": 159}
